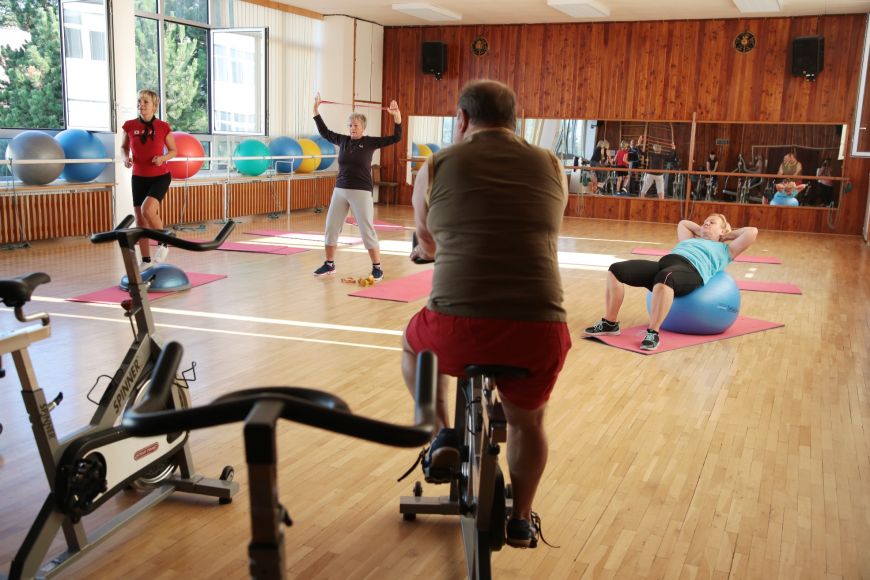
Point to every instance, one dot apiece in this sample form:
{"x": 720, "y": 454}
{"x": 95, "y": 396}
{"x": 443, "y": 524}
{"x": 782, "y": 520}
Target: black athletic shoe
{"x": 525, "y": 533}
{"x": 650, "y": 341}
{"x": 325, "y": 269}
{"x": 377, "y": 274}
{"x": 602, "y": 327}
{"x": 441, "y": 461}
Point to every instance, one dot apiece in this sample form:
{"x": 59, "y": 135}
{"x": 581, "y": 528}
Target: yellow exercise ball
{"x": 309, "y": 147}
{"x": 421, "y": 150}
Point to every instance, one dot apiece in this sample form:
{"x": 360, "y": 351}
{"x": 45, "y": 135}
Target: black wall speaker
{"x": 434, "y": 58}
{"x": 807, "y": 56}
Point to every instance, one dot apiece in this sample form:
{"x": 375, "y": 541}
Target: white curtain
{"x": 294, "y": 49}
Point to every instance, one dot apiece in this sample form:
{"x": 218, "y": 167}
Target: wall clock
{"x": 480, "y": 46}
{"x": 744, "y": 42}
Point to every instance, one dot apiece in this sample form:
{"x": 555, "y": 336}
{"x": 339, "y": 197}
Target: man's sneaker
{"x": 441, "y": 461}
{"x": 525, "y": 533}
{"x": 145, "y": 265}
{"x": 377, "y": 274}
{"x": 602, "y": 327}
{"x": 650, "y": 341}
{"x": 160, "y": 253}
{"x": 325, "y": 269}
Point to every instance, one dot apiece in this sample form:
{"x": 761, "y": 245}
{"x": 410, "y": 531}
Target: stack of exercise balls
{"x": 35, "y": 145}
{"x": 251, "y": 148}
{"x": 186, "y": 145}
{"x": 308, "y": 153}
{"x": 81, "y": 144}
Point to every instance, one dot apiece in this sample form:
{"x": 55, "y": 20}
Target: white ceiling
{"x": 537, "y": 11}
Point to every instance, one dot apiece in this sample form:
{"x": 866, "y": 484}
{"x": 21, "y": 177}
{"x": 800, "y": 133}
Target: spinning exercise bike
{"x": 94, "y": 463}
{"x": 260, "y": 409}
{"x": 478, "y": 494}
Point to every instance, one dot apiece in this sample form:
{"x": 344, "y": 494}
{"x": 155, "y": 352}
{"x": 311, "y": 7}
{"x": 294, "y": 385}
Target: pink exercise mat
{"x": 302, "y": 236}
{"x": 379, "y": 224}
{"x": 778, "y": 287}
{"x": 114, "y": 295}
{"x": 631, "y": 337}
{"x": 740, "y": 258}
{"x": 407, "y": 289}
{"x": 260, "y": 248}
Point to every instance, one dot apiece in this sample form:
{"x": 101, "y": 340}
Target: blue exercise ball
{"x": 283, "y": 146}
{"x": 784, "y": 200}
{"x": 326, "y": 148}
{"x": 710, "y": 309}
{"x": 30, "y": 145}
{"x": 81, "y": 144}
{"x": 251, "y": 148}
{"x": 435, "y": 148}
{"x": 161, "y": 278}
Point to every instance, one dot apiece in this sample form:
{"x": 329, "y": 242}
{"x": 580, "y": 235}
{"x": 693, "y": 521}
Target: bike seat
{"x": 497, "y": 371}
{"x": 15, "y": 292}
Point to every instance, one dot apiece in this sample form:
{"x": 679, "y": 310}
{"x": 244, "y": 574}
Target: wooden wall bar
{"x": 652, "y": 71}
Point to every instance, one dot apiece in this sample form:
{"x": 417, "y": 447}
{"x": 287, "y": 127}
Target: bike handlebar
{"x": 306, "y": 406}
{"x": 132, "y": 235}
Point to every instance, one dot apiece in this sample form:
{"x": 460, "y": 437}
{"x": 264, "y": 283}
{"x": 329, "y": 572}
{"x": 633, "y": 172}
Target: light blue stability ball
{"x": 784, "y": 200}
{"x": 326, "y": 148}
{"x": 81, "y": 144}
{"x": 710, "y": 309}
{"x": 161, "y": 278}
{"x": 283, "y": 146}
{"x": 30, "y": 145}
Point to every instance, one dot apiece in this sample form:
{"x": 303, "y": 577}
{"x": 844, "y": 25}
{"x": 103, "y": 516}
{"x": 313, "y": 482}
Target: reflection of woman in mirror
{"x": 712, "y": 165}
{"x": 787, "y": 192}
{"x": 823, "y": 188}
{"x": 622, "y": 161}
{"x": 703, "y": 251}
{"x": 600, "y": 158}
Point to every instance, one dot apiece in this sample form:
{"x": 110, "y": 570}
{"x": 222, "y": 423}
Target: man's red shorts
{"x": 459, "y": 341}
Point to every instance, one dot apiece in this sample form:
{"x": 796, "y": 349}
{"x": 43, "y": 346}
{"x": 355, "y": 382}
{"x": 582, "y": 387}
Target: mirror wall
{"x": 740, "y": 151}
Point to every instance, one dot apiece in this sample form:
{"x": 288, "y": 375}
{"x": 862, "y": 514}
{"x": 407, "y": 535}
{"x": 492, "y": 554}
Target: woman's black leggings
{"x": 672, "y": 270}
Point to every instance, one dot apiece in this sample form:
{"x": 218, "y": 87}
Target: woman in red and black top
{"x": 152, "y": 145}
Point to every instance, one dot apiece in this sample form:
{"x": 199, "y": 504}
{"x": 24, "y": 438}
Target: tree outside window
{"x": 31, "y": 93}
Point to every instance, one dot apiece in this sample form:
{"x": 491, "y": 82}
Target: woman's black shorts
{"x": 672, "y": 270}
{"x": 155, "y": 187}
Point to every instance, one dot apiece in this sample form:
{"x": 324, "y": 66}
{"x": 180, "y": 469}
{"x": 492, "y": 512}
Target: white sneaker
{"x": 160, "y": 254}
{"x": 145, "y": 265}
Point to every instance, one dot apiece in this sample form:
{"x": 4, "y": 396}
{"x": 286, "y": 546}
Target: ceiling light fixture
{"x": 753, "y": 6}
{"x": 580, "y": 8}
{"x": 427, "y": 12}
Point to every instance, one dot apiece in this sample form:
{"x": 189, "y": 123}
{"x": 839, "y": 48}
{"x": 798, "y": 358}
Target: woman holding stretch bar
{"x": 353, "y": 188}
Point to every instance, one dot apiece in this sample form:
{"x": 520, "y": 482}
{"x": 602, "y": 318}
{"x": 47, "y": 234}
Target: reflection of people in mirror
{"x": 790, "y": 165}
{"x": 822, "y": 191}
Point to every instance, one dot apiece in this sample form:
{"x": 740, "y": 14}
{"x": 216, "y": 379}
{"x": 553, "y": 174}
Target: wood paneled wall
{"x": 34, "y": 215}
{"x": 671, "y": 70}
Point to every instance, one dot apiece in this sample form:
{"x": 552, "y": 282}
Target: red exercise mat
{"x": 407, "y": 289}
{"x": 778, "y": 287}
{"x": 114, "y": 295}
{"x": 631, "y": 337}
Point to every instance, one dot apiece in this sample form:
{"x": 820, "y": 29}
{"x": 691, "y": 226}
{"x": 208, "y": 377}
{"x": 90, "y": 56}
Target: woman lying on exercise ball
{"x": 702, "y": 252}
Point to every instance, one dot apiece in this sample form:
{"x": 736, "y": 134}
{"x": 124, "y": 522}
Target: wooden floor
{"x": 745, "y": 458}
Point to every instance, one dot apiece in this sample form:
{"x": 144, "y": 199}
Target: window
{"x": 147, "y": 69}
{"x": 86, "y": 68}
{"x": 186, "y": 70}
{"x": 239, "y": 81}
